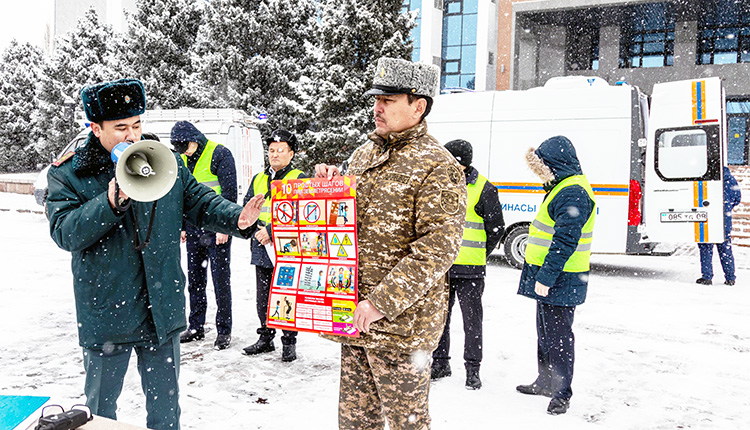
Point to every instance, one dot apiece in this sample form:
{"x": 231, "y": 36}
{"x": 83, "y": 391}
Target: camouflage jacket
{"x": 411, "y": 204}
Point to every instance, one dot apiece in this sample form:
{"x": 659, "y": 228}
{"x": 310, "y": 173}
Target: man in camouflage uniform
{"x": 411, "y": 203}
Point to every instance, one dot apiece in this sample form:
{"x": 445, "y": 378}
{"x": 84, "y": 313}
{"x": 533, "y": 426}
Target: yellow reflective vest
{"x": 542, "y": 229}
{"x": 202, "y": 171}
{"x": 474, "y": 244}
{"x": 260, "y": 186}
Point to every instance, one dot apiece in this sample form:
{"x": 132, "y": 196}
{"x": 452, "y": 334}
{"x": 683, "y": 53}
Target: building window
{"x": 738, "y": 128}
{"x": 459, "y": 45}
{"x": 582, "y": 48}
{"x": 724, "y": 34}
{"x": 416, "y": 36}
{"x": 647, "y": 37}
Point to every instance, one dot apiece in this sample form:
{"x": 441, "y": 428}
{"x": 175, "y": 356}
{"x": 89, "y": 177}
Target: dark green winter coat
{"x": 124, "y": 296}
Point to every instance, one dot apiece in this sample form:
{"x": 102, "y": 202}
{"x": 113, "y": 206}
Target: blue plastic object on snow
{"x": 15, "y": 409}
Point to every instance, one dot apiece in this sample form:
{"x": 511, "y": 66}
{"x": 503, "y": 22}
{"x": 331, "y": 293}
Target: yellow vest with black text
{"x": 542, "y": 229}
{"x": 474, "y": 245}
{"x": 202, "y": 171}
{"x": 260, "y": 186}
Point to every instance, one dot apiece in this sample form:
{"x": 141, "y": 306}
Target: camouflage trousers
{"x": 378, "y": 384}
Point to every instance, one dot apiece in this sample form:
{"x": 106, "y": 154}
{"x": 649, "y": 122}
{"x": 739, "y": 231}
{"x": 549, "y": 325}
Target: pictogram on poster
{"x": 314, "y": 225}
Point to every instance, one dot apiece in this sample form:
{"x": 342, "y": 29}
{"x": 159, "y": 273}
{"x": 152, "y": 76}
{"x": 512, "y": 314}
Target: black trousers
{"x": 198, "y": 256}
{"x": 469, "y": 292}
{"x": 555, "y": 348}
{"x": 263, "y": 278}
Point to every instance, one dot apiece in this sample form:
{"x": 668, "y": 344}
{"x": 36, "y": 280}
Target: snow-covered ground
{"x": 654, "y": 350}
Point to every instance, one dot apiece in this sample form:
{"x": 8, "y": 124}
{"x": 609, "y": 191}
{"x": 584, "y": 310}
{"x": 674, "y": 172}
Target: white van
{"x": 233, "y": 128}
{"x": 643, "y": 168}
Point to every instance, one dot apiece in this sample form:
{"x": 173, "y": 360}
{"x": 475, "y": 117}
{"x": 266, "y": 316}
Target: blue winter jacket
{"x": 732, "y": 198}
{"x": 570, "y": 209}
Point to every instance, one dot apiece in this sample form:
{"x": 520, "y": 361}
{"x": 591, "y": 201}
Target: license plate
{"x": 684, "y": 216}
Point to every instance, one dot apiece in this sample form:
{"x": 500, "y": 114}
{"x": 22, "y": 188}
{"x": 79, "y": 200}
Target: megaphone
{"x": 145, "y": 170}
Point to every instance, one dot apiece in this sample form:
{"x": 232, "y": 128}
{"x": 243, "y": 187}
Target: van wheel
{"x": 515, "y": 246}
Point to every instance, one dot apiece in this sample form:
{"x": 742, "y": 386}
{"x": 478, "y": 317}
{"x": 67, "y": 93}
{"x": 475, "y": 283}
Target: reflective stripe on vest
{"x": 474, "y": 245}
{"x": 202, "y": 171}
{"x": 542, "y": 229}
{"x": 260, "y": 186}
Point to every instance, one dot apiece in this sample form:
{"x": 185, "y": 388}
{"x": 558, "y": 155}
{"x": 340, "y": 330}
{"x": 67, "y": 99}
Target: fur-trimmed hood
{"x": 554, "y": 160}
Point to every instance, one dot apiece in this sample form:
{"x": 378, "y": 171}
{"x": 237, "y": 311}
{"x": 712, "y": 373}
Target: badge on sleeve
{"x": 449, "y": 201}
{"x": 454, "y": 175}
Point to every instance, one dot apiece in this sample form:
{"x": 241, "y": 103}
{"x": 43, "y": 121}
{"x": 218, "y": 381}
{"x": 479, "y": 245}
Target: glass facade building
{"x": 724, "y": 34}
{"x": 459, "y": 44}
{"x": 460, "y": 37}
{"x": 648, "y": 37}
{"x": 416, "y": 37}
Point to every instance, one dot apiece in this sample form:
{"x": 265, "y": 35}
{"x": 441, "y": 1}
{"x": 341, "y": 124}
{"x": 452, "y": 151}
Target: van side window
{"x": 688, "y": 153}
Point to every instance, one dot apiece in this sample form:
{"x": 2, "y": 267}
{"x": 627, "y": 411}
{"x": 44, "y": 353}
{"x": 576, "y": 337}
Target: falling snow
{"x": 653, "y": 349}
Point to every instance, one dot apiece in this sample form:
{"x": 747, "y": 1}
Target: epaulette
{"x": 67, "y": 156}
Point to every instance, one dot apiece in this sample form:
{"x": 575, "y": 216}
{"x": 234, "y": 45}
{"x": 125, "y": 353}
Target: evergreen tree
{"x": 90, "y": 53}
{"x": 353, "y": 35}
{"x": 20, "y": 72}
{"x": 160, "y": 37}
{"x": 251, "y": 54}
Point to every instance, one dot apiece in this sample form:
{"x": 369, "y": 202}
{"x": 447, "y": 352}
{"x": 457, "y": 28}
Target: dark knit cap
{"x": 283, "y": 136}
{"x": 183, "y": 133}
{"x": 460, "y": 149}
{"x": 109, "y": 101}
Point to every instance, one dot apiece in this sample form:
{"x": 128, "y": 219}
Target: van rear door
{"x": 683, "y": 199}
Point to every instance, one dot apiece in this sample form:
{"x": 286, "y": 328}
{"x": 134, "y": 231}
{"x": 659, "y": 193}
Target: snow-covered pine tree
{"x": 160, "y": 36}
{"x": 90, "y": 53}
{"x": 353, "y": 35}
{"x": 250, "y": 55}
{"x": 20, "y": 72}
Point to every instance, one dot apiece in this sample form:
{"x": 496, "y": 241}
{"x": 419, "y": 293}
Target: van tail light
{"x": 634, "y": 203}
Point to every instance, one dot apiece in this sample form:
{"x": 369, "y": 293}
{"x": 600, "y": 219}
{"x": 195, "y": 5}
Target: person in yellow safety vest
{"x": 212, "y": 164}
{"x": 556, "y": 271}
{"x": 281, "y": 148}
{"x": 483, "y": 229}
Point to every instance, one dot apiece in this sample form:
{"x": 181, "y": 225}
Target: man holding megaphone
{"x": 127, "y": 277}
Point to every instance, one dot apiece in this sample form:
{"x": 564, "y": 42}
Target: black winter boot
{"x": 190, "y": 335}
{"x": 222, "y": 341}
{"x": 289, "y": 349}
{"x": 264, "y": 343}
{"x": 440, "y": 369}
{"x": 534, "y": 390}
{"x": 289, "y": 353}
{"x": 703, "y": 281}
{"x": 472, "y": 379}
{"x": 558, "y": 406}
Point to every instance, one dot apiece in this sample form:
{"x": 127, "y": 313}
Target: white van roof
{"x": 198, "y": 115}
{"x": 565, "y": 82}
{"x": 192, "y": 115}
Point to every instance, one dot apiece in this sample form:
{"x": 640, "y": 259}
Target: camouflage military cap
{"x": 397, "y": 76}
